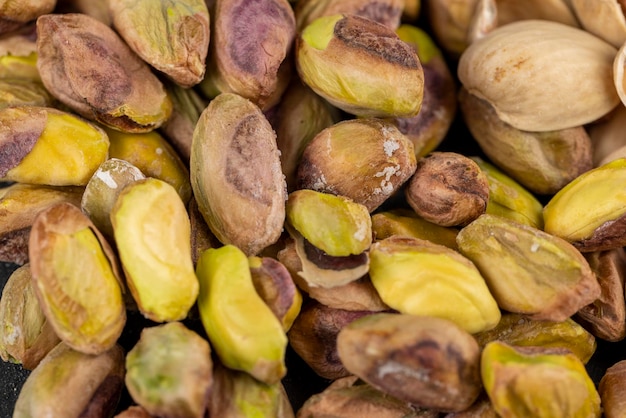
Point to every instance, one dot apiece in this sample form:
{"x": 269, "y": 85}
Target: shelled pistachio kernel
{"x": 360, "y": 66}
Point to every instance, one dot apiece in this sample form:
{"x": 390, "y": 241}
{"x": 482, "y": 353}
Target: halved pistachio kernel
{"x": 360, "y": 66}
{"x": 241, "y": 193}
{"x": 155, "y": 255}
{"x": 537, "y": 274}
{"x": 385, "y": 12}
{"x": 590, "y": 212}
{"x": 522, "y": 331}
{"x": 409, "y": 357}
{"x": 242, "y": 329}
{"x": 169, "y": 371}
{"x": 419, "y": 277}
{"x": 68, "y": 258}
{"x": 25, "y": 334}
{"x": 95, "y": 382}
{"x": 385, "y": 162}
{"x": 42, "y": 145}
{"x": 531, "y": 381}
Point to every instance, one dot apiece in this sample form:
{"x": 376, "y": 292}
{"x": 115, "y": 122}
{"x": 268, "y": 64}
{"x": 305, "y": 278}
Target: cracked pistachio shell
{"x": 528, "y": 70}
{"x": 236, "y": 176}
{"x": 42, "y": 145}
{"x": 386, "y": 160}
{"x": 360, "y": 66}
{"x": 169, "y": 371}
{"x": 537, "y": 274}
{"x": 531, "y": 382}
{"x": 68, "y": 257}
{"x": 71, "y": 384}
{"x": 385, "y": 12}
{"x": 90, "y": 69}
{"x": 603, "y": 18}
{"x": 17, "y": 13}
{"x": 153, "y": 236}
{"x": 427, "y": 361}
{"x": 171, "y": 35}
{"x": 589, "y": 211}
{"x": 419, "y": 277}
{"x": 25, "y": 334}
{"x": 242, "y": 329}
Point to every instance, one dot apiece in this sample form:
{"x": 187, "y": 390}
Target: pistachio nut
{"x": 360, "y": 66}
{"x": 419, "y": 277}
{"x": 386, "y": 12}
{"x": 483, "y": 21}
{"x": 553, "y": 10}
{"x": 450, "y": 22}
{"x": 155, "y": 255}
{"x": 612, "y": 390}
{"x": 68, "y": 257}
{"x": 242, "y": 329}
{"x": 603, "y": 18}
{"x": 201, "y": 236}
{"x": 24, "y": 92}
{"x": 606, "y": 136}
{"x": 18, "y": 54}
{"x": 169, "y": 371}
{"x": 15, "y": 14}
{"x": 523, "y": 80}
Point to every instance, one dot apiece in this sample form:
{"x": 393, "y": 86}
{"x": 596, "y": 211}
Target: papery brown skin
{"x": 17, "y": 13}
{"x": 90, "y": 69}
{"x": 612, "y": 389}
{"x": 609, "y": 235}
{"x": 448, "y": 189}
{"x": 606, "y": 317}
{"x": 386, "y": 12}
{"x": 19, "y": 134}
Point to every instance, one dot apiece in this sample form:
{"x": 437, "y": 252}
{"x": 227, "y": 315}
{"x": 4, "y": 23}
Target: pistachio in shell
{"x": 169, "y": 371}
{"x": 16, "y": 14}
{"x": 530, "y": 381}
{"x": 25, "y": 336}
{"x": 603, "y": 18}
{"x": 152, "y": 232}
{"x": 537, "y": 274}
{"x": 90, "y": 69}
{"x": 360, "y": 66}
{"x": 611, "y": 390}
{"x": 95, "y": 382}
{"x": 427, "y": 361}
{"x": 419, "y": 277}
{"x": 385, "y": 12}
{"x": 236, "y": 174}
{"x": 68, "y": 256}
{"x": 539, "y": 70}
{"x": 42, "y": 145}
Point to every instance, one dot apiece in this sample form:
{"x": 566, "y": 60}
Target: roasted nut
{"x": 536, "y": 273}
{"x": 14, "y": 14}
{"x": 426, "y": 361}
{"x": 23, "y": 92}
{"x": 611, "y": 389}
{"x": 360, "y": 66}
{"x": 241, "y": 193}
{"x": 68, "y": 255}
{"x": 155, "y": 255}
{"x": 242, "y": 329}
{"x": 169, "y": 371}
{"x": 386, "y": 12}
{"x": 419, "y": 277}
{"x": 386, "y": 160}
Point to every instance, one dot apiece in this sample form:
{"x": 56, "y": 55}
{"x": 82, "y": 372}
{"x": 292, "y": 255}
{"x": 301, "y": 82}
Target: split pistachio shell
{"x": 523, "y": 68}
{"x": 619, "y": 77}
{"x": 603, "y": 18}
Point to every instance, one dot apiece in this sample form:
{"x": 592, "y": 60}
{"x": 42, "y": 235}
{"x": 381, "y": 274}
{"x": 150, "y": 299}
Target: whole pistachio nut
{"x": 42, "y": 145}
{"x": 24, "y": 92}
{"x": 530, "y": 381}
{"x": 409, "y": 357}
{"x": 386, "y": 160}
{"x": 537, "y": 274}
{"x": 18, "y": 54}
{"x": 25, "y": 336}
{"x": 448, "y": 189}
{"x": 250, "y": 42}
{"x": 17, "y": 13}
{"x": 169, "y": 371}
{"x": 236, "y": 175}
{"x": 95, "y": 383}
{"x": 360, "y": 66}
{"x": 19, "y": 205}
{"x": 419, "y": 277}
{"x": 509, "y": 199}
{"x": 606, "y": 316}
{"x": 90, "y": 69}
{"x": 153, "y": 236}
{"x": 522, "y": 331}
{"x": 170, "y": 35}
{"x": 242, "y": 329}
{"x": 612, "y": 390}
{"x": 450, "y": 21}
{"x": 589, "y": 211}
{"x": 385, "y": 12}
{"x": 543, "y": 162}
{"x": 236, "y": 394}
{"x": 528, "y": 70}
{"x": 603, "y": 18}
{"x": 68, "y": 256}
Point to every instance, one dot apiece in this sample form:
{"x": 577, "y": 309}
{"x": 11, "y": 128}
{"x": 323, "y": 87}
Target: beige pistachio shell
{"x": 531, "y": 71}
{"x": 484, "y": 20}
{"x": 607, "y": 138}
{"x": 603, "y": 18}
{"x": 553, "y": 10}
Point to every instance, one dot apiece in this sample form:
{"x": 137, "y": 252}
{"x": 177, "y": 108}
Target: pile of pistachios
{"x": 276, "y": 172}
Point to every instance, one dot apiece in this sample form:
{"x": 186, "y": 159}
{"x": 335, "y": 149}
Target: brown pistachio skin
{"x": 448, "y": 189}
{"x": 612, "y": 389}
